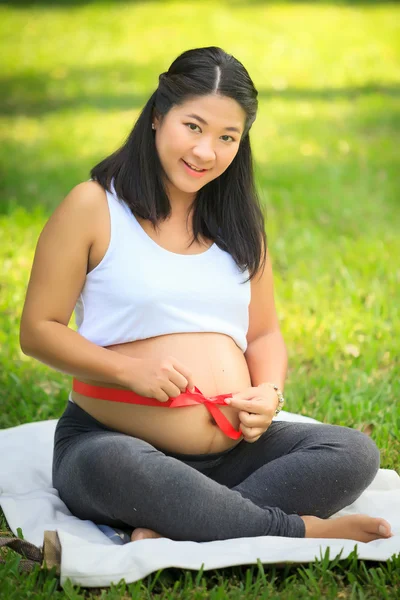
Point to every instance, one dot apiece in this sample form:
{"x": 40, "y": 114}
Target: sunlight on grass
{"x": 74, "y": 79}
{"x": 324, "y": 144}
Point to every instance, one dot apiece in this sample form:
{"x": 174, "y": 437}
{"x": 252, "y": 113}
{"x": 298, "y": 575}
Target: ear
{"x": 156, "y": 120}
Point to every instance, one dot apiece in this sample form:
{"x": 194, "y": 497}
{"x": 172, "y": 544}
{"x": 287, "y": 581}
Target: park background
{"x": 74, "y": 77}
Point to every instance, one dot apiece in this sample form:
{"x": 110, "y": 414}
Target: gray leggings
{"x": 254, "y": 489}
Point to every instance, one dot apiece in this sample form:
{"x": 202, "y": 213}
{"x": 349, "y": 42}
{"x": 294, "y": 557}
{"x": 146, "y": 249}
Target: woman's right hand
{"x": 160, "y": 379}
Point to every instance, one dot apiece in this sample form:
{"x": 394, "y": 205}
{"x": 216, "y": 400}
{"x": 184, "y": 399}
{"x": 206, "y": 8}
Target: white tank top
{"x": 140, "y": 290}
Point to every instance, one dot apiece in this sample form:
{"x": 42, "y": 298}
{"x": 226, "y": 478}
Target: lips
{"x": 195, "y": 167}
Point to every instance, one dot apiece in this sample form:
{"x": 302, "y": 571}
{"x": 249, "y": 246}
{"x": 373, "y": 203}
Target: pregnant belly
{"x": 218, "y": 367}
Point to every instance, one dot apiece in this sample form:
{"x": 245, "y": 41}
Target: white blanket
{"x": 91, "y": 559}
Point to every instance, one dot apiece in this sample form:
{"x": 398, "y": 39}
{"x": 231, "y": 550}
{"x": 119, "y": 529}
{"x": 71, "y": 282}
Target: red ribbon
{"x": 185, "y": 399}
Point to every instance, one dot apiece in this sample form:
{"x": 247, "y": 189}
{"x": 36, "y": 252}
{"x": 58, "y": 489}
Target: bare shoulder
{"x": 87, "y": 191}
{"x": 84, "y": 200}
{"x": 62, "y": 256}
{"x": 80, "y": 213}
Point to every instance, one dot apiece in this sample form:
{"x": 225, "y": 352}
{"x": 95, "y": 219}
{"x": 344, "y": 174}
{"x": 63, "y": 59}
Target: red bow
{"x": 185, "y": 399}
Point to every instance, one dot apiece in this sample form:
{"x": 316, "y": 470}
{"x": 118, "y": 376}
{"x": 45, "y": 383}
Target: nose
{"x": 204, "y": 152}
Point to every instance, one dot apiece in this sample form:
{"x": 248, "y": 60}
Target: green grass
{"x": 75, "y": 75}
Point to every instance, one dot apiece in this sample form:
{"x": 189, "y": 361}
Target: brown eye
{"x": 194, "y": 125}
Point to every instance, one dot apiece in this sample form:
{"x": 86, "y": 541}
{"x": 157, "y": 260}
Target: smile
{"x": 193, "y": 167}
{"x": 193, "y": 171}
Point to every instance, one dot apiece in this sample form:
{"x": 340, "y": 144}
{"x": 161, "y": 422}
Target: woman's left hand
{"x": 257, "y": 407}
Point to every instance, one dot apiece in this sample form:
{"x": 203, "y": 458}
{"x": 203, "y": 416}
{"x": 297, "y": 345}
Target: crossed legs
{"x": 284, "y": 484}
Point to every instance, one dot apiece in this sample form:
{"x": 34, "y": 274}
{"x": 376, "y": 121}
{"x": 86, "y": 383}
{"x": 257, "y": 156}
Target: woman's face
{"x": 204, "y": 132}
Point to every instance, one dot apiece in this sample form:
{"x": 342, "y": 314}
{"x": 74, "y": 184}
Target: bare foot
{"x": 361, "y": 528}
{"x": 140, "y": 533}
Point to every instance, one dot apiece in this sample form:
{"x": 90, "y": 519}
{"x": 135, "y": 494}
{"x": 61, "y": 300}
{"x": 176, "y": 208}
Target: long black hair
{"x": 226, "y": 210}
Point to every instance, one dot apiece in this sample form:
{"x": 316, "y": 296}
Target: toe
{"x": 384, "y": 528}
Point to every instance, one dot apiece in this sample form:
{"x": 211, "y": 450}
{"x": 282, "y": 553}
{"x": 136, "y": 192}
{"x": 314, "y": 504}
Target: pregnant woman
{"x": 178, "y": 364}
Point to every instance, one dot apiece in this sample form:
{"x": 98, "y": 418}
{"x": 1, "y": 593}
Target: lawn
{"x": 74, "y": 78}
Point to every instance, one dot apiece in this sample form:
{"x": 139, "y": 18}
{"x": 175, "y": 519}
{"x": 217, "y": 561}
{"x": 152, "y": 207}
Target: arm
{"x": 266, "y": 354}
{"x": 57, "y": 277}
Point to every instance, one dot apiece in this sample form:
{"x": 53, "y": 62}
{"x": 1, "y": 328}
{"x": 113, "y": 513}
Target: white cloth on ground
{"x": 90, "y": 559}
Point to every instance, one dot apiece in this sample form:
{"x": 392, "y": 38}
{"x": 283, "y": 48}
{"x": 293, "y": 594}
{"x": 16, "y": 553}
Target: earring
{"x": 153, "y": 126}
